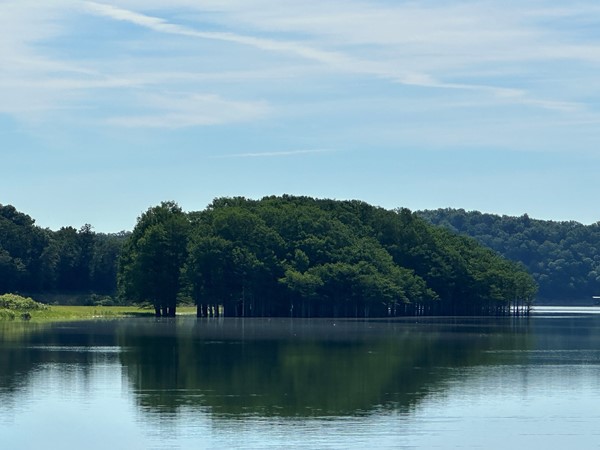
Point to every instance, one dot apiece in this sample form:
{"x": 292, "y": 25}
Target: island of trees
{"x": 303, "y": 257}
{"x": 279, "y": 256}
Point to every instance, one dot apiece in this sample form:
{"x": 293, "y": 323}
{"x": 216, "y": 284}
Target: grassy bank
{"x": 13, "y": 307}
{"x": 57, "y": 313}
{"x": 61, "y": 313}
{"x": 94, "y": 312}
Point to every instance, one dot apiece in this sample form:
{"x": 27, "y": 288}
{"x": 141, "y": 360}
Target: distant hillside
{"x": 562, "y": 257}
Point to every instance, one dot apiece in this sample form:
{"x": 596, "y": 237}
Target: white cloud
{"x": 276, "y": 154}
{"x": 38, "y": 79}
{"x": 25, "y": 25}
{"x": 173, "y": 110}
{"x": 163, "y": 26}
{"x": 421, "y": 39}
{"x": 476, "y": 47}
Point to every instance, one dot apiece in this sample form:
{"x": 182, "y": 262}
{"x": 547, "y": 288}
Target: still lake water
{"x": 258, "y": 383}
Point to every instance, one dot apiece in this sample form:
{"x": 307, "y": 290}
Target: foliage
{"x": 18, "y": 303}
{"x": 152, "y": 258}
{"x": 36, "y": 260}
{"x": 302, "y": 257}
{"x": 7, "y": 314}
{"x": 279, "y": 256}
{"x": 562, "y": 257}
{"x": 12, "y": 306}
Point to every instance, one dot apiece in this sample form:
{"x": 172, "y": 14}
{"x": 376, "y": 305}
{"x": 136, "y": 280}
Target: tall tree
{"x": 152, "y": 258}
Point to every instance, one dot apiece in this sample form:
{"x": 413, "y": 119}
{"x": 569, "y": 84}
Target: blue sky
{"x": 108, "y": 108}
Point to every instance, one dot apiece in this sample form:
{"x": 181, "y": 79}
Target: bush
{"x": 13, "y": 302}
{"x": 6, "y": 314}
{"x": 101, "y": 300}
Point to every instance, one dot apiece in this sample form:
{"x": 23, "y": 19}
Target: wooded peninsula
{"x": 279, "y": 256}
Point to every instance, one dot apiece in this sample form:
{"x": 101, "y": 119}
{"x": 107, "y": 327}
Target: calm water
{"x": 418, "y": 383}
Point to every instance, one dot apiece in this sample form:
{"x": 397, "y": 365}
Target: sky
{"x": 108, "y": 108}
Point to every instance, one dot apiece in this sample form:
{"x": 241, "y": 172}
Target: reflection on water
{"x": 411, "y": 383}
{"x": 291, "y": 368}
{"x": 565, "y": 310}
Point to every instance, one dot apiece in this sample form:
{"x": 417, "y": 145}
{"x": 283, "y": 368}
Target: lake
{"x": 475, "y": 383}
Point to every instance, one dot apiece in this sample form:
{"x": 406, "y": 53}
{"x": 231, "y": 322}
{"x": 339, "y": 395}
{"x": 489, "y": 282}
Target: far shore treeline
{"x": 279, "y": 256}
{"x": 562, "y": 257}
{"x": 76, "y": 263}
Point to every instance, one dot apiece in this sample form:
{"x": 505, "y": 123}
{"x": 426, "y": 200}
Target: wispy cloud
{"x": 174, "y": 110}
{"x": 454, "y": 27}
{"x": 163, "y": 26}
{"x": 500, "y": 56}
{"x": 275, "y": 154}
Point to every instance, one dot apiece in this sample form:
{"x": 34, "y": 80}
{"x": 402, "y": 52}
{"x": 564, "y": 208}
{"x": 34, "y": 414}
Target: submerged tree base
{"x": 306, "y": 310}
{"x": 165, "y": 311}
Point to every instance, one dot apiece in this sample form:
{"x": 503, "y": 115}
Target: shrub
{"x": 13, "y": 302}
{"x": 101, "y": 300}
{"x": 6, "y": 314}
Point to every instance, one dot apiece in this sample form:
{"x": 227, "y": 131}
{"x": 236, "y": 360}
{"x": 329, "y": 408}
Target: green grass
{"x": 64, "y": 313}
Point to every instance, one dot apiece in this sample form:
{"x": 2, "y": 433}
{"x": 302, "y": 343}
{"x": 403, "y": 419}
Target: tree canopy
{"x": 562, "y": 257}
{"x": 151, "y": 260}
{"x": 304, "y": 257}
{"x": 278, "y": 256}
{"x": 35, "y": 260}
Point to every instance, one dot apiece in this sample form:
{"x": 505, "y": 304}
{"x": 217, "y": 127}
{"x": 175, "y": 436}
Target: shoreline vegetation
{"x": 17, "y": 308}
{"x": 303, "y": 257}
{"x": 281, "y": 256}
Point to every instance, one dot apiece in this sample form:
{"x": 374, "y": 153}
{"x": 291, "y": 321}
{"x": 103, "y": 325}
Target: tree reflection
{"x": 25, "y": 347}
{"x": 300, "y": 368}
{"x": 284, "y": 367}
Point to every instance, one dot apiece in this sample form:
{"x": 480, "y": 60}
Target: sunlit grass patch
{"x": 57, "y": 313}
{"x": 16, "y": 307}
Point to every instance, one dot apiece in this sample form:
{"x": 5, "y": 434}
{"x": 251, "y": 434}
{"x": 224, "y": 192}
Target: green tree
{"x": 152, "y": 258}
{"x": 562, "y": 257}
{"x": 208, "y": 272}
{"x": 22, "y": 248}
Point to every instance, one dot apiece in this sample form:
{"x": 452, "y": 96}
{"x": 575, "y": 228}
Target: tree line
{"x": 305, "y": 257}
{"x": 562, "y": 257}
{"x": 38, "y": 260}
{"x": 279, "y": 256}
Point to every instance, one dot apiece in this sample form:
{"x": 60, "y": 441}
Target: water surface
{"x": 258, "y": 383}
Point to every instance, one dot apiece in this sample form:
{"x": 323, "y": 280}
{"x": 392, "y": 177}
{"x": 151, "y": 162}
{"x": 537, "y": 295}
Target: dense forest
{"x": 303, "y": 257}
{"x": 279, "y": 256}
{"x": 562, "y": 257}
{"x": 67, "y": 261}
